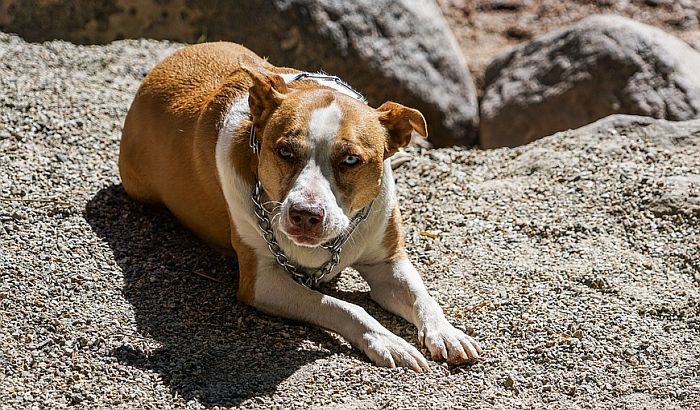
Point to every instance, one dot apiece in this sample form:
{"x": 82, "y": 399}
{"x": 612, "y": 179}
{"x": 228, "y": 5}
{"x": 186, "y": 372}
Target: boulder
{"x": 599, "y": 66}
{"x": 399, "y": 50}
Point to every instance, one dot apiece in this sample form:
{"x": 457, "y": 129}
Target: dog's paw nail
{"x": 450, "y": 344}
{"x": 392, "y": 351}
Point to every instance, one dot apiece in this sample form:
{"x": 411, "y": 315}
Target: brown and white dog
{"x": 323, "y": 157}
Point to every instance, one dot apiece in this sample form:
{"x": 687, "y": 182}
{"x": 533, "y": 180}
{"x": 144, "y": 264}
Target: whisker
{"x": 272, "y": 202}
{"x": 275, "y": 215}
{"x": 274, "y": 208}
{"x": 358, "y": 236}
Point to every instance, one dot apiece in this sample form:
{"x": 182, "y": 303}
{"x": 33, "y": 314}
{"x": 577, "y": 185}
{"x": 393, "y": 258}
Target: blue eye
{"x": 351, "y": 160}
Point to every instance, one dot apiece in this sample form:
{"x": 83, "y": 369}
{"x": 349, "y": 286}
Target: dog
{"x": 290, "y": 171}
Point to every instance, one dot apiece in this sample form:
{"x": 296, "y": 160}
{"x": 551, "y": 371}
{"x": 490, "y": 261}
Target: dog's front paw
{"x": 445, "y": 342}
{"x": 387, "y": 349}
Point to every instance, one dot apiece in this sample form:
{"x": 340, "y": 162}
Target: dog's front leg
{"x": 277, "y": 294}
{"x": 398, "y": 288}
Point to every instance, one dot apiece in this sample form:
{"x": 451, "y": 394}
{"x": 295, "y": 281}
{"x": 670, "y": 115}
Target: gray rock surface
{"x": 548, "y": 254}
{"x": 390, "y": 50}
{"x": 599, "y": 66}
{"x": 680, "y": 194}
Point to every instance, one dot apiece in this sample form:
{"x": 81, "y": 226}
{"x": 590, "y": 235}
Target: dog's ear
{"x": 266, "y": 93}
{"x": 400, "y": 122}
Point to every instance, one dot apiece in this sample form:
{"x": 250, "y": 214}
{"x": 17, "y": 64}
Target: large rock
{"x": 571, "y": 77}
{"x": 399, "y": 50}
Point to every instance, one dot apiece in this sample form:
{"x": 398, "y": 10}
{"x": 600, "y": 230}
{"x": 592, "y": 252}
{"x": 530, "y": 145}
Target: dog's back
{"x": 176, "y": 114}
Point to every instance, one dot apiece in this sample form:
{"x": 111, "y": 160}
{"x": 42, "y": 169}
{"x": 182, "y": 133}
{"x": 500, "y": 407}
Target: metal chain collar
{"x": 308, "y": 278}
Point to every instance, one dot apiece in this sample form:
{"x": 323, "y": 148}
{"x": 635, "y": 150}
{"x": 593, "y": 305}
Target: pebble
{"x": 548, "y": 255}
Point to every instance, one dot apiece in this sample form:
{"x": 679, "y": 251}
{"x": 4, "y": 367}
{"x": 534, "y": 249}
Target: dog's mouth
{"x": 302, "y": 238}
{"x": 308, "y": 241}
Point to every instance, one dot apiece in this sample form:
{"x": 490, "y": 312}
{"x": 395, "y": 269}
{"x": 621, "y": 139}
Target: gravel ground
{"x": 574, "y": 260}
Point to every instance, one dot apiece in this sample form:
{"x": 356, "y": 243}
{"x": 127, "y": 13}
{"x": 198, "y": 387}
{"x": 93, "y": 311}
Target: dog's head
{"x": 322, "y": 152}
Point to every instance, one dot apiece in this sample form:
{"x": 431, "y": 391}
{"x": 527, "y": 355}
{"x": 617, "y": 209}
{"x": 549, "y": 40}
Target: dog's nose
{"x": 306, "y": 217}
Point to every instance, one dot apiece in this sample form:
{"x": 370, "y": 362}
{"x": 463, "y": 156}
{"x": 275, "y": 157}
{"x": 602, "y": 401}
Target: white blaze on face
{"x": 315, "y": 185}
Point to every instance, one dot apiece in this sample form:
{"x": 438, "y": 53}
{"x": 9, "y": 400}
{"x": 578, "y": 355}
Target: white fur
{"x": 396, "y": 285}
{"x": 315, "y": 186}
{"x": 236, "y": 190}
{"x": 398, "y": 288}
{"x": 324, "y": 125}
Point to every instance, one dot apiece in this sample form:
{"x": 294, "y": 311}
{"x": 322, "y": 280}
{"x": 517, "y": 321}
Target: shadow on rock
{"x": 211, "y": 348}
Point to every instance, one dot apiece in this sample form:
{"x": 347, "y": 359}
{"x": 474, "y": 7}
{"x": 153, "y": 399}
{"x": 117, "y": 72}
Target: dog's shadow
{"x": 209, "y": 347}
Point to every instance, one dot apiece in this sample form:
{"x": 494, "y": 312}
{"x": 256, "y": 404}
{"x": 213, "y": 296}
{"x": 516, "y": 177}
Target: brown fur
{"x": 400, "y": 121}
{"x": 167, "y": 153}
{"x": 393, "y": 237}
{"x": 169, "y": 138}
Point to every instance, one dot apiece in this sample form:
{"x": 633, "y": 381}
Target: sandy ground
{"x": 549, "y": 254}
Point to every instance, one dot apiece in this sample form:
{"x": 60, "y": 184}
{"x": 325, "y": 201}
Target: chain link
{"x": 332, "y": 78}
{"x": 308, "y": 278}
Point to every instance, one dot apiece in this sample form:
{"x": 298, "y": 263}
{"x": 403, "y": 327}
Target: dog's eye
{"x": 351, "y": 160}
{"x": 285, "y": 153}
